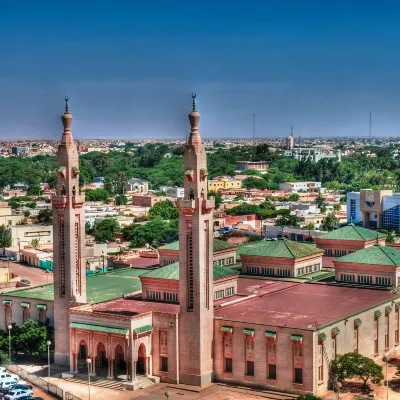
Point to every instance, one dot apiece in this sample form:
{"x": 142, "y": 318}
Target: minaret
{"x": 195, "y": 264}
{"x": 68, "y": 240}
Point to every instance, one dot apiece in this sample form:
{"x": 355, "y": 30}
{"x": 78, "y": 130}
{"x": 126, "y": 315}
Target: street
{"x": 35, "y": 275}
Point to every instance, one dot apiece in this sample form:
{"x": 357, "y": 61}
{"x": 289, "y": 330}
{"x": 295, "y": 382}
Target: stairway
{"x": 97, "y": 381}
{"x": 143, "y": 382}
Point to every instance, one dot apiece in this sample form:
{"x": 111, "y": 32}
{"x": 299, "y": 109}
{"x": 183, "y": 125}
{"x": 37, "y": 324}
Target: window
{"x": 347, "y": 278}
{"x": 228, "y": 365}
{"x": 25, "y": 314}
{"x": 173, "y": 297}
{"x": 230, "y": 261}
{"x": 300, "y": 271}
{"x": 355, "y": 340}
{"x": 298, "y": 375}
{"x": 340, "y": 252}
{"x": 8, "y": 315}
{"x": 168, "y": 262}
{"x": 267, "y": 271}
{"x": 283, "y": 272}
{"x": 308, "y": 269}
{"x": 229, "y": 292}
{"x": 320, "y": 363}
{"x": 376, "y": 336}
{"x": 271, "y": 371}
{"x": 252, "y": 270}
{"x": 386, "y": 332}
{"x": 151, "y": 295}
{"x": 328, "y": 252}
{"x": 364, "y": 279}
{"x": 381, "y": 280}
{"x": 42, "y": 316}
{"x": 250, "y": 368}
{"x": 219, "y": 294}
{"x": 221, "y": 263}
{"x": 316, "y": 267}
{"x": 396, "y": 327}
{"x": 334, "y": 353}
{"x": 164, "y": 364}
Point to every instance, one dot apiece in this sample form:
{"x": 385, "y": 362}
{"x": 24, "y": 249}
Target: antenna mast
{"x": 254, "y": 127}
{"x": 370, "y": 126}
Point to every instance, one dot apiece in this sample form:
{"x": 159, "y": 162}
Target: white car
{"x": 7, "y": 383}
{"x": 17, "y": 394}
{"x": 7, "y": 376}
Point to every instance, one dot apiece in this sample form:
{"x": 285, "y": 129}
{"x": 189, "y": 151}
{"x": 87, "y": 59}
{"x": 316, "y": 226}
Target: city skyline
{"x": 129, "y": 70}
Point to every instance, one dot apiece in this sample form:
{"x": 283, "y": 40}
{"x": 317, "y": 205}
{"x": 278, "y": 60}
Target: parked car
{"x": 6, "y": 375}
{"x": 17, "y": 395}
{"x": 6, "y": 384}
{"x": 30, "y": 398}
{"x": 26, "y": 281}
{"x": 18, "y": 386}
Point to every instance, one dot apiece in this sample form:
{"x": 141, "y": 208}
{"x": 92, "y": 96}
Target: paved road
{"x": 37, "y": 276}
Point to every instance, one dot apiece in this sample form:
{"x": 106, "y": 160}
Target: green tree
{"x": 105, "y": 230}
{"x": 330, "y": 222}
{"x": 120, "y": 200}
{"x": 350, "y": 365}
{"x": 239, "y": 196}
{"x": 320, "y": 201}
{"x": 254, "y": 183}
{"x": 27, "y": 213}
{"x": 34, "y": 190}
{"x": 45, "y": 216}
{"x": 97, "y": 195}
{"x": 217, "y": 198}
{"x": 288, "y": 220}
{"x": 35, "y": 243}
{"x": 336, "y": 207}
{"x": 165, "y": 210}
{"x": 391, "y": 237}
{"x": 294, "y": 197}
{"x": 5, "y": 236}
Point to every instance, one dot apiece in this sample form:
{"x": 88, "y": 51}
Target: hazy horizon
{"x": 129, "y": 68}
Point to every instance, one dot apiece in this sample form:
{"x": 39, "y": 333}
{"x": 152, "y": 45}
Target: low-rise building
{"x": 375, "y": 265}
{"x": 141, "y": 200}
{"x": 289, "y": 187}
{"x": 174, "y": 192}
{"x": 224, "y": 253}
{"x": 137, "y": 186}
{"x": 348, "y": 239}
{"x": 223, "y": 183}
{"x": 261, "y": 166}
{"x": 282, "y": 257}
{"x": 24, "y": 234}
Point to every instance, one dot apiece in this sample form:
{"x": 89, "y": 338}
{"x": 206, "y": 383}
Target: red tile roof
{"x": 302, "y": 305}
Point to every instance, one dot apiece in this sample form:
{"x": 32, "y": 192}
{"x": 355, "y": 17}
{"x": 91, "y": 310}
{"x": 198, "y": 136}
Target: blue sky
{"x": 129, "y": 67}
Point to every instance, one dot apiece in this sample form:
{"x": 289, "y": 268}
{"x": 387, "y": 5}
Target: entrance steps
{"x": 143, "y": 382}
{"x": 97, "y": 381}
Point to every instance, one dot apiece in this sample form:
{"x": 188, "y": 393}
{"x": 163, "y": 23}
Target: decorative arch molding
{"x": 79, "y": 337}
{"x": 119, "y": 341}
{"x": 97, "y": 339}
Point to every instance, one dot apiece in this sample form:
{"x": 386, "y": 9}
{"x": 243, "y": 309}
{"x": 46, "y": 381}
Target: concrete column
{"x": 109, "y": 369}
{"x": 94, "y": 366}
{"x": 146, "y": 372}
{"x": 127, "y": 370}
{"x": 134, "y": 372}
{"x": 150, "y": 365}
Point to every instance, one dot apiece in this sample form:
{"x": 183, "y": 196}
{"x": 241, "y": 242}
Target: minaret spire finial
{"x": 66, "y": 104}
{"x": 194, "y": 101}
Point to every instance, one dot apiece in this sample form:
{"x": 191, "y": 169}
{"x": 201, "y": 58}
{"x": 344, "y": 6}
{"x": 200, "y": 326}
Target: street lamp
{"x": 9, "y": 341}
{"x": 88, "y": 362}
{"x": 19, "y": 249}
{"x": 48, "y": 358}
{"x": 102, "y": 252}
{"x": 386, "y": 359}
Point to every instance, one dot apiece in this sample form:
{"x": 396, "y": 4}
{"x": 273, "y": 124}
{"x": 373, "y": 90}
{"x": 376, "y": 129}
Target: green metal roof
{"x": 388, "y": 309}
{"x": 41, "y": 306}
{"x": 219, "y": 245}
{"x": 25, "y": 304}
{"x": 171, "y": 271}
{"x": 279, "y": 248}
{"x": 378, "y": 313}
{"x": 296, "y": 338}
{"x": 227, "y": 329}
{"x": 380, "y": 255}
{"x": 322, "y": 336}
{"x": 99, "y": 288}
{"x": 398, "y": 303}
{"x": 6, "y": 302}
{"x": 353, "y": 232}
{"x": 248, "y": 331}
{"x": 269, "y": 334}
{"x": 99, "y": 328}
{"x": 143, "y": 329}
{"x": 335, "y": 330}
{"x": 357, "y": 321}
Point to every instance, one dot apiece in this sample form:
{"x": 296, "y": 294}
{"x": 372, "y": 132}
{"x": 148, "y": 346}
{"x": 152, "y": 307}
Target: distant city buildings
{"x": 261, "y": 166}
{"x": 289, "y": 187}
{"x": 137, "y": 186}
{"x": 223, "y": 183}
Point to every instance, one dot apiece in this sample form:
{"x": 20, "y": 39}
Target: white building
{"x": 288, "y": 187}
{"x": 173, "y": 191}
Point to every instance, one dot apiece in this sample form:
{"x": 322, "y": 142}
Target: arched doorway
{"x": 101, "y": 360}
{"x": 120, "y": 363}
{"x": 141, "y": 362}
{"x": 82, "y": 356}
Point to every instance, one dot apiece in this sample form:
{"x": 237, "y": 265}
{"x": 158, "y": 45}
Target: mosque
{"x": 195, "y": 320}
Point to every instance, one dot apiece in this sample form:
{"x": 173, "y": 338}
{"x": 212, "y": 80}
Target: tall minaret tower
{"x": 68, "y": 239}
{"x": 195, "y": 264}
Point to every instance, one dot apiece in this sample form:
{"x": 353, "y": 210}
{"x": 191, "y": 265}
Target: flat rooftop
{"x": 99, "y": 288}
{"x": 299, "y": 305}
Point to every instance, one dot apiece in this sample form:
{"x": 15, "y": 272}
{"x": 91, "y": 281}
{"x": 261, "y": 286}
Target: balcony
{"x": 208, "y": 205}
{"x": 187, "y": 206}
{"x": 78, "y": 200}
{"x": 59, "y": 202}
